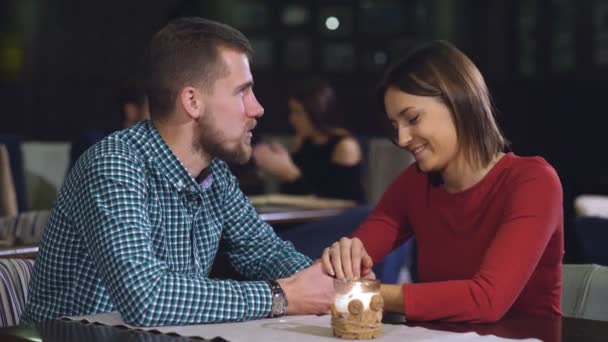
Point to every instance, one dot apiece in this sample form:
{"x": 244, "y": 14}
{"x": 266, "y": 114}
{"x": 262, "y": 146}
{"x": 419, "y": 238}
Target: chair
{"x": 384, "y": 162}
{"x": 15, "y": 275}
{"x": 585, "y": 291}
{"x": 45, "y": 167}
{"x": 25, "y": 228}
{"x": 30, "y": 225}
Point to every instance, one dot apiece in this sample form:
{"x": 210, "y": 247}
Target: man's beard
{"x": 208, "y": 141}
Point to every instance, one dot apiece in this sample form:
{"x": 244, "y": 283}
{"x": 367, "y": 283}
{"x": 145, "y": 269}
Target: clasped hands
{"x": 310, "y": 291}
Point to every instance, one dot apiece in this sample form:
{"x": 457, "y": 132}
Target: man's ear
{"x": 191, "y": 100}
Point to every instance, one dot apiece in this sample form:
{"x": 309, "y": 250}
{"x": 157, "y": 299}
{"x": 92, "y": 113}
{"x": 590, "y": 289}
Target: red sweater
{"x": 495, "y": 247}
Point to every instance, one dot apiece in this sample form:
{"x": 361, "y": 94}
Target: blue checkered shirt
{"x": 132, "y": 231}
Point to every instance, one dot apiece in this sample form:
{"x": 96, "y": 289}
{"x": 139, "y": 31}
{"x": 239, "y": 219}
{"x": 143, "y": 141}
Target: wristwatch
{"x": 279, "y": 301}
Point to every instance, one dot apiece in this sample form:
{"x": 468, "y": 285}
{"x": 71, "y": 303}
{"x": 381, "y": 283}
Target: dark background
{"x": 62, "y": 63}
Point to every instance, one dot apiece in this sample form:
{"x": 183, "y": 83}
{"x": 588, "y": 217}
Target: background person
{"x": 326, "y": 160}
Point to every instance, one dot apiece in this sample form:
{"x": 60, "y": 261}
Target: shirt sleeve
{"x": 115, "y": 227}
{"x": 252, "y": 246}
{"x": 528, "y": 223}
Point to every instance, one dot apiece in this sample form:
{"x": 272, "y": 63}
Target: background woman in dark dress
{"x": 326, "y": 160}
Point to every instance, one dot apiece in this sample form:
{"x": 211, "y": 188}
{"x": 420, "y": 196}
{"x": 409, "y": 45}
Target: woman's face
{"x": 423, "y": 126}
{"x": 298, "y": 118}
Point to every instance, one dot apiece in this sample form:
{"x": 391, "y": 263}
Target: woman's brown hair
{"x": 440, "y": 70}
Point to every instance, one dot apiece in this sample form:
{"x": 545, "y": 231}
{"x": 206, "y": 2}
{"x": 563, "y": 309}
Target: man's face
{"x": 231, "y": 109}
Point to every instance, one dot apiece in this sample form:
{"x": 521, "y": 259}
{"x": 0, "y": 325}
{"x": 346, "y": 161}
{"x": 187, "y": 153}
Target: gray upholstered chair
{"x": 15, "y": 275}
{"x": 585, "y": 291}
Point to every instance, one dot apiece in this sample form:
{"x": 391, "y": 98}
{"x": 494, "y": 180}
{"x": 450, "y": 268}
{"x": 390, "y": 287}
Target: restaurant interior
{"x": 67, "y": 67}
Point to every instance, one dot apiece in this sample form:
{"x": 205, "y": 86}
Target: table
{"x": 63, "y": 331}
{"x": 548, "y": 329}
{"x": 273, "y": 215}
{"x": 25, "y": 252}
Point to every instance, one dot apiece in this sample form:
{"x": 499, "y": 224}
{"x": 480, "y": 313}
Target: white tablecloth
{"x": 292, "y": 328}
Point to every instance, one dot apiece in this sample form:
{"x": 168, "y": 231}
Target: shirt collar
{"x": 173, "y": 169}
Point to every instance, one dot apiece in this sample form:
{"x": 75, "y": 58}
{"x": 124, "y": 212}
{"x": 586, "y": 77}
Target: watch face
{"x": 279, "y": 305}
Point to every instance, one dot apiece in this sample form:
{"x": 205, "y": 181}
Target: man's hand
{"x": 309, "y": 292}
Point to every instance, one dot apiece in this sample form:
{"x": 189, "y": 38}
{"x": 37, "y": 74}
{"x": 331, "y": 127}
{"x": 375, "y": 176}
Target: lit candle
{"x": 356, "y": 292}
{"x": 357, "y": 309}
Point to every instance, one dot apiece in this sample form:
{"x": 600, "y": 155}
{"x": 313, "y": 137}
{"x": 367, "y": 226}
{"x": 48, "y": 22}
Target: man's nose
{"x": 255, "y": 109}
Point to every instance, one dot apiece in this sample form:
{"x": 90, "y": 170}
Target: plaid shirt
{"x": 132, "y": 231}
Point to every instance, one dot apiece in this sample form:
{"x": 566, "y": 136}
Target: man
{"x": 137, "y": 224}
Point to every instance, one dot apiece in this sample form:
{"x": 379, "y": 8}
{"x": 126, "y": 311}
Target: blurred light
{"x": 332, "y": 23}
{"x": 367, "y": 4}
{"x": 11, "y": 56}
{"x": 380, "y": 57}
{"x": 295, "y": 15}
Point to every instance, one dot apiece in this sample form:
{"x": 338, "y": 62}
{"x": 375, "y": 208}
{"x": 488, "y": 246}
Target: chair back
{"x": 585, "y": 291}
{"x": 15, "y": 275}
{"x": 385, "y": 162}
{"x": 25, "y": 228}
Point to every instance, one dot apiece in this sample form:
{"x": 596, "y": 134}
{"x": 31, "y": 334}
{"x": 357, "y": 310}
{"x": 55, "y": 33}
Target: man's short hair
{"x": 186, "y": 52}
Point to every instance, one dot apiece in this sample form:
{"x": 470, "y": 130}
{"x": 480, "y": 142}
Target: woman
{"x": 489, "y": 225}
{"x": 326, "y": 160}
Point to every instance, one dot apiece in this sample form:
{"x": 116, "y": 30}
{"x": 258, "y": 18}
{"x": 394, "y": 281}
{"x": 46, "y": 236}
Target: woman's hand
{"x": 347, "y": 259}
{"x": 275, "y": 159}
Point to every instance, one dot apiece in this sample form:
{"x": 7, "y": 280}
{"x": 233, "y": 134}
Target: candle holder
{"x": 357, "y": 310}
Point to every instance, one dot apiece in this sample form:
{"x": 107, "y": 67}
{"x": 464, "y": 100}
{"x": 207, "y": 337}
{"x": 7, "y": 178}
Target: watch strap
{"x": 279, "y": 301}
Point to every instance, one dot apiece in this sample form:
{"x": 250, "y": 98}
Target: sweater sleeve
{"x": 528, "y": 223}
{"x": 387, "y": 227}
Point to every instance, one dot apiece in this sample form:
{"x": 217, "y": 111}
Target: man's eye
{"x": 413, "y": 120}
